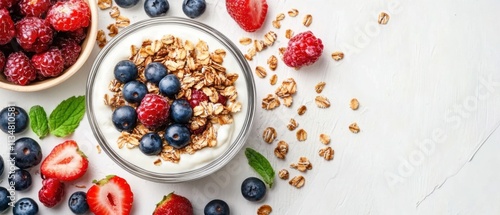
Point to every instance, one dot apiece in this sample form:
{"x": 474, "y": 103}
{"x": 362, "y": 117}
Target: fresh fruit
{"x": 21, "y": 179}
{"x": 125, "y": 71}
{"x": 7, "y": 3}
{"x": 69, "y": 15}
{"x": 124, "y": 118}
{"x": 34, "y": 34}
{"x": 2, "y": 166}
{"x": 303, "y": 49}
{"x": 4, "y": 199}
{"x": 70, "y": 50}
{"x": 222, "y": 99}
{"x": 77, "y": 202}
{"x": 253, "y": 189}
{"x": 126, "y": 3}
{"x": 49, "y": 63}
{"x": 134, "y": 91}
{"x": 7, "y": 29}
{"x": 249, "y": 14}
{"x": 110, "y": 196}
{"x": 181, "y": 111}
{"x": 51, "y": 192}
{"x": 156, "y": 8}
{"x": 199, "y": 130}
{"x": 169, "y": 85}
{"x": 173, "y": 204}
{"x": 2, "y": 60}
{"x": 217, "y": 207}
{"x": 153, "y": 111}
{"x": 197, "y": 97}
{"x": 78, "y": 35}
{"x": 177, "y": 135}
{"x": 36, "y": 8}
{"x": 13, "y": 119}
{"x": 194, "y": 8}
{"x": 25, "y": 206}
{"x": 151, "y": 144}
{"x": 65, "y": 162}
{"x": 155, "y": 71}
{"x": 18, "y": 69}
{"x": 27, "y": 152}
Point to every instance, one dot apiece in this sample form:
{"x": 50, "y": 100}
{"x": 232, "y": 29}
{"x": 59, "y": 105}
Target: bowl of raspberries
{"x": 44, "y": 42}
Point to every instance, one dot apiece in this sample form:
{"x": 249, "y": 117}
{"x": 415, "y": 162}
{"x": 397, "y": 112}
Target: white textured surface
{"x": 422, "y": 122}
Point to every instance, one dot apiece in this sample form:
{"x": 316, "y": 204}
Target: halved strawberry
{"x": 65, "y": 162}
{"x": 110, "y": 196}
{"x": 249, "y": 14}
{"x": 173, "y": 204}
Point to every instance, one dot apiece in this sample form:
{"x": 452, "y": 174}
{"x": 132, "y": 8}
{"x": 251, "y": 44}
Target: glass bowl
{"x": 190, "y": 167}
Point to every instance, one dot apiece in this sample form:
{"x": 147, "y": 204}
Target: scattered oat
{"x": 269, "y": 38}
{"x": 301, "y": 135}
{"x": 327, "y": 153}
{"x": 287, "y": 101}
{"x": 250, "y": 53}
{"x": 122, "y": 21}
{"x": 104, "y": 4}
{"x": 287, "y": 88}
{"x": 245, "y": 41}
{"x": 354, "y": 104}
{"x": 260, "y": 71}
{"x": 324, "y": 138}
{"x": 270, "y": 102}
{"x": 383, "y": 18}
{"x": 280, "y": 16}
{"x": 322, "y": 102}
{"x": 354, "y": 128}
{"x": 289, "y": 33}
{"x": 157, "y": 162}
{"x": 283, "y": 174}
{"x": 259, "y": 45}
{"x": 281, "y": 149}
{"x": 292, "y": 125}
{"x": 273, "y": 79}
{"x": 297, "y": 181}
{"x": 302, "y": 165}
{"x": 307, "y": 20}
{"x": 269, "y": 134}
{"x": 114, "y": 12}
{"x": 272, "y": 61}
{"x": 98, "y": 147}
{"x": 293, "y": 12}
{"x": 302, "y": 109}
{"x": 276, "y": 24}
{"x": 113, "y": 30}
{"x": 319, "y": 87}
{"x": 264, "y": 210}
{"x": 101, "y": 38}
{"x": 80, "y": 186}
{"x": 338, "y": 56}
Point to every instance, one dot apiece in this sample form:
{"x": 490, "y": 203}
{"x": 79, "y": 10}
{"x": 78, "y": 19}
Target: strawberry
{"x": 173, "y": 204}
{"x": 65, "y": 162}
{"x": 51, "y": 192}
{"x": 110, "y": 196}
{"x": 249, "y": 14}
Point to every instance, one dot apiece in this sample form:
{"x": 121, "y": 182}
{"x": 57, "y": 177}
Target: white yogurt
{"x": 226, "y": 134}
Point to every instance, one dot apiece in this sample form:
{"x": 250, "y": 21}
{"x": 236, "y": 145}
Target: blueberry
{"x": 4, "y": 199}
{"x": 169, "y": 85}
{"x": 253, "y": 189}
{"x": 193, "y": 8}
{"x": 177, "y": 135}
{"x": 156, "y": 8}
{"x": 13, "y": 119}
{"x": 77, "y": 203}
{"x": 25, "y": 206}
{"x": 134, "y": 91}
{"x": 2, "y": 165}
{"x": 181, "y": 111}
{"x": 21, "y": 179}
{"x": 155, "y": 71}
{"x": 27, "y": 152}
{"x": 216, "y": 207}
{"x": 124, "y": 118}
{"x": 126, "y": 3}
{"x": 151, "y": 144}
{"x": 125, "y": 71}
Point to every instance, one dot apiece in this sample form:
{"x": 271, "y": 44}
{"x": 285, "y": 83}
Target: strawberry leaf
{"x": 261, "y": 165}
{"x": 66, "y": 117}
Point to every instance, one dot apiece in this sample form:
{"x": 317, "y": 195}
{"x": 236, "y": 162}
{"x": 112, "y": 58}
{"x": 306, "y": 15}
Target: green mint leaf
{"x": 38, "y": 121}
{"x": 66, "y": 117}
{"x": 261, "y": 165}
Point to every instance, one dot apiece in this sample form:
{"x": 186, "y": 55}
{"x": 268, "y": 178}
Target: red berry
{"x": 303, "y": 49}
{"x": 70, "y": 50}
{"x": 69, "y": 15}
{"x": 65, "y": 162}
{"x": 51, "y": 192}
{"x": 222, "y": 99}
{"x": 49, "y": 63}
{"x": 7, "y": 3}
{"x": 34, "y": 34}
{"x": 249, "y": 14}
{"x": 110, "y": 196}
{"x": 78, "y": 35}
{"x": 197, "y": 97}
{"x": 153, "y": 111}
{"x": 7, "y": 30}
{"x": 36, "y": 8}
{"x": 199, "y": 130}
{"x": 2, "y": 61}
{"x": 18, "y": 69}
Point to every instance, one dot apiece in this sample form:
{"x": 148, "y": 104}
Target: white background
{"x": 429, "y": 87}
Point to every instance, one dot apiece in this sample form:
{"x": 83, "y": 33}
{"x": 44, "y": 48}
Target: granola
{"x": 297, "y": 181}
{"x": 283, "y": 174}
{"x": 269, "y": 134}
{"x": 324, "y": 138}
{"x": 302, "y": 165}
{"x": 301, "y": 135}
{"x": 292, "y": 125}
{"x": 327, "y": 153}
{"x": 322, "y": 102}
{"x": 281, "y": 149}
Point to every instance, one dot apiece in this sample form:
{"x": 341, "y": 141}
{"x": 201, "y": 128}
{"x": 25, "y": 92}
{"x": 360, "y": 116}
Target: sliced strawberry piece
{"x": 65, "y": 162}
{"x": 110, "y": 196}
{"x": 173, "y": 204}
{"x": 249, "y": 14}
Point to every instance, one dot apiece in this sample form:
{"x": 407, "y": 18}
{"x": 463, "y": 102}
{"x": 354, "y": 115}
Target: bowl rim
{"x": 213, "y": 165}
{"x": 88, "y": 43}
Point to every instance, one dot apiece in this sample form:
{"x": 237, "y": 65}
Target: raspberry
{"x": 51, "y": 192}
{"x": 78, "y": 35}
{"x": 197, "y": 96}
{"x": 7, "y": 3}
{"x": 222, "y": 99}
{"x": 49, "y": 63}
{"x": 153, "y": 111}
{"x": 303, "y": 49}
{"x": 199, "y": 130}
{"x": 2, "y": 61}
{"x": 33, "y": 34}
{"x": 69, "y": 15}
{"x": 18, "y": 69}
{"x": 34, "y": 7}
{"x": 7, "y": 30}
{"x": 70, "y": 50}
